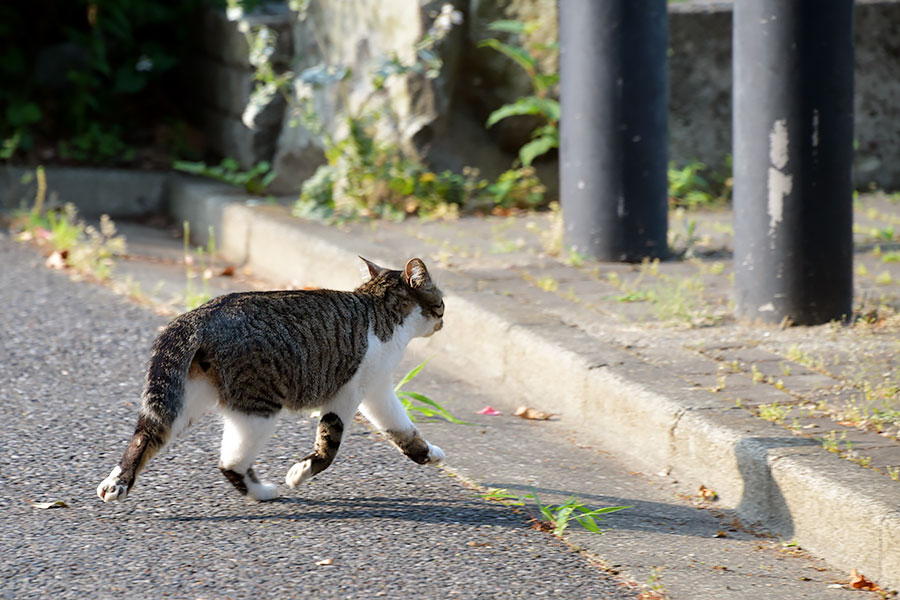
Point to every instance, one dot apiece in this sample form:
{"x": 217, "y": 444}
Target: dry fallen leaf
{"x": 720, "y": 534}
{"x": 859, "y": 582}
{"x": 227, "y": 271}
{"x": 54, "y": 504}
{"x": 706, "y": 493}
{"x": 530, "y": 413}
{"x": 325, "y": 562}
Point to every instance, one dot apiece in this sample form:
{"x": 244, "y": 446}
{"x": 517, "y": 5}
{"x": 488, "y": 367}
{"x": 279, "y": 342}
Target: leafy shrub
{"x": 88, "y": 73}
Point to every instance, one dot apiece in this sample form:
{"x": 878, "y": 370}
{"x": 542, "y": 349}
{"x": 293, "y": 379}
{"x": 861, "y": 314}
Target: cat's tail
{"x": 162, "y": 406}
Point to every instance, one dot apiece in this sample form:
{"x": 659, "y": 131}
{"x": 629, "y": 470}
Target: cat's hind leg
{"x": 336, "y": 416}
{"x": 385, "y": 411}
{"x": 243, "y": 438}
{"x": 154, "y": 431}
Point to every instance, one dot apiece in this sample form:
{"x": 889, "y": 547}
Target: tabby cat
{"x": 254, "y": 354}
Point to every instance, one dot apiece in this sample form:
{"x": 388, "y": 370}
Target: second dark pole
{"x": 793, "y": 145}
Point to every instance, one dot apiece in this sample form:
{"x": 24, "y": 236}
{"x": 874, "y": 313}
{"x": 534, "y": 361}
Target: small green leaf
{"x": 519, "y": 55}
{"x": 545, "y": 81}
{"x": 409, "y": 376}
{"x": 537, "y": 147}
{"x": 507, "y": 26}
{"x": 195, "y": 168}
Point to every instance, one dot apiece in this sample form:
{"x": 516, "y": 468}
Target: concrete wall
{"x": 700, "y": 92}
{"x": 219, "y": 79}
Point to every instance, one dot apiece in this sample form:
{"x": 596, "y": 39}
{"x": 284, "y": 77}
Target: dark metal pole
{"x": 613, "y": 130}
{"x": 793, "y": 140}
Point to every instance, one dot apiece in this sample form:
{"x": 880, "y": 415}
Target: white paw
{"x": 111, "y": 488}
{"x": 261, "y": 491}
{"x": 435, "y": 455}
{"x": 299, "y": 473}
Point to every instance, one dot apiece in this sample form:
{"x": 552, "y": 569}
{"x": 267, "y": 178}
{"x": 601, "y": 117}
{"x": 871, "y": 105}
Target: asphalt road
{"x": 71, "y": 364}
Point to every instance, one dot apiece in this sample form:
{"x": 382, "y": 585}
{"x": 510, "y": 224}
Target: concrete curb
{"x": 843, "y": 513}
{"x": 116, "y": 192}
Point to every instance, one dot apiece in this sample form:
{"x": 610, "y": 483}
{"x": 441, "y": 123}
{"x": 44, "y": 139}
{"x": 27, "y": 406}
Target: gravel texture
{"x": 71, "y": 363}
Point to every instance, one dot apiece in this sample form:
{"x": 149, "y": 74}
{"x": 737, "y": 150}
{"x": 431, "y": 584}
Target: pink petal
{"x": 489, "y": 411}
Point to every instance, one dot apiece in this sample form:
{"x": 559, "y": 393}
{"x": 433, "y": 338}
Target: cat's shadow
{"x": 641, "y": 516}
{"x": 423, "y": 510}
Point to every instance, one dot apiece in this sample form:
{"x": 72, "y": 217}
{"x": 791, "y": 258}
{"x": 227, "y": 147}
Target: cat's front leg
{"x": 385, "y": 411}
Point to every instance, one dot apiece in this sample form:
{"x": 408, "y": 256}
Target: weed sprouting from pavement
{"x": 503, "y": 496}
{"x": 554, "y": 518}
{"x": 831, "y": 441}
{"x": 774, "y": 412}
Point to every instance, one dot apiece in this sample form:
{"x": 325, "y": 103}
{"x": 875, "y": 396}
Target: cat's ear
{"x": 416, "y": 274}
{"x": 374, "y": 270}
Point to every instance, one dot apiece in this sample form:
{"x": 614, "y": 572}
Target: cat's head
{"x": 410, "y": 290}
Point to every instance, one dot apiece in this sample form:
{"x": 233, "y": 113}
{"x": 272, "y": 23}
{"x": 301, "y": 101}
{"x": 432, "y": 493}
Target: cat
{"x": 253, "y": 355}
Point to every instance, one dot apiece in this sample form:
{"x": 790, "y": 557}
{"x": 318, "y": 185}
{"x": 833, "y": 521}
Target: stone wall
{"x": 446, "y": 120}
{"x": 219, "y": 80}
{"x": 700, "y": 88}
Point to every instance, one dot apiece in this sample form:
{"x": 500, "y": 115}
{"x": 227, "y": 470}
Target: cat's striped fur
{"x": 252, "y": 355}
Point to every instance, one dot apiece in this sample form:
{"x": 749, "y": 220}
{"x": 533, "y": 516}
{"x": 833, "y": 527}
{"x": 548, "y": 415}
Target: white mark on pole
{"x": 780, "y": 183}
{"x": 621, "y": 207}
{"x": 778, "y": 144}
{"x": 580, "y": 184}
{"x": 767, "y": 307}
{"x": 815, "y": 128}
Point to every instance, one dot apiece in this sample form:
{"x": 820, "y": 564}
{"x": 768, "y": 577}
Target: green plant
{"x": 653, "y": 582}
{"x": 195, "y": 260}
{"x": 545, "y": 136}
{"x": 556, "y": 517}
{"x": 893, "y": 473}
{"x": 88, "y": 76}
{"x": 254, "y": 180}
{"x": 551, "y": 237}
{"x": 755, "y": 375}
{"x": 687, "y": 187}
{"x": 503, "y": 496}
{"x": 74, "y": 244}
{"x": 830, "y": 441}
{"x": 688, "y": 238}
{"x": 415, "y": 402}
{"x": 695, "y": 186}
{"x": 884, "y": 233}
{"x": 774, "y": 412}
{"x": 548, "y": 283}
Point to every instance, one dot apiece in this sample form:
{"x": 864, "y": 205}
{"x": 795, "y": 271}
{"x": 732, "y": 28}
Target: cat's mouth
{"x": 437, "y": 327}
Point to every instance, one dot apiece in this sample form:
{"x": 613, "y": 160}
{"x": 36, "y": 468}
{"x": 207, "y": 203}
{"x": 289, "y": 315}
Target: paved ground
{"x": 71, "y": 368}
{"x": 373, "y": 512}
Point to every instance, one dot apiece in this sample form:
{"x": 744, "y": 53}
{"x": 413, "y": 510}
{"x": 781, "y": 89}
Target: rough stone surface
{"x": 352, "y": 35}
{"x": 220, "y": 79}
